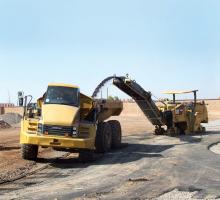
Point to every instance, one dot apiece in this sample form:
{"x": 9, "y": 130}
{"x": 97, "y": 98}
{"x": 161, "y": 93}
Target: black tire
{"x": 103, "y": 141}
{"x": 181, "y": 127}
{"x": 29, "y": 152}
{"x": 159, "y": 131}
{"x": 86, "y": 156}
{"x": 116, "y": 133}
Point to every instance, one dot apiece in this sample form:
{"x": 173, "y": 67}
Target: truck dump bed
{"x": 102, "y": 107}
{"x": 108, "y": 108}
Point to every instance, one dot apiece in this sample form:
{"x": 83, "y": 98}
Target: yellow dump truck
{"x": 66, "y": 119}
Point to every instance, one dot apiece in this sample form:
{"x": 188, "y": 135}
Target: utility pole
{"x": 9, "y": 97}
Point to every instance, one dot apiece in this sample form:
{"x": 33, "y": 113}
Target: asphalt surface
{"x": 146, "y": 168}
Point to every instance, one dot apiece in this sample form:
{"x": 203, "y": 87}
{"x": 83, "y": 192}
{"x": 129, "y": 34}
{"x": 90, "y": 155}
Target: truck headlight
{"x": 74, "y": 132}
{"x": 40, "y": 128}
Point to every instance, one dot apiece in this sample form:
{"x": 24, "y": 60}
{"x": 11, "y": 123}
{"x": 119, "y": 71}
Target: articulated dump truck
{"x": 170, "y": 117}
{"x": 68, "y": 120}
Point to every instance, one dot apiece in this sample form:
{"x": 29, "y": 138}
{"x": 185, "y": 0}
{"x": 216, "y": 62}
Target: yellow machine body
{"x": 42, "y": 128}
{"x": 186, "y": 115}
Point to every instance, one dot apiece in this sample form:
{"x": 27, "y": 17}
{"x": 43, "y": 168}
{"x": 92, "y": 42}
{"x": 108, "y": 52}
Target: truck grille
{"x": 57, "y": 130}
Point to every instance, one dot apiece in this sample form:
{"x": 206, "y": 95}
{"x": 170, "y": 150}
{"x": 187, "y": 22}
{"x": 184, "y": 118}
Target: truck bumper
{"x": 55, "y": 141}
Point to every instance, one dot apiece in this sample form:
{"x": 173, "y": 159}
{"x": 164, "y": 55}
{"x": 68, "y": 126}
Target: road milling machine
{"x": 68, "y": 120}
{"x": 186, "y": 116}
{"x": 168, "y": 117}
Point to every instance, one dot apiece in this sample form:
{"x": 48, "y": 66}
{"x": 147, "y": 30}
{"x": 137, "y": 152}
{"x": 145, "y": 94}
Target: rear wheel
{"x": 181, "y": 128}
{"x": 172, "y": 132}
{"x": 103, "y": 141}
{"x": 159, "y": 130}
{"x": 29, "y": 152}
{"x": 116, "y": 133}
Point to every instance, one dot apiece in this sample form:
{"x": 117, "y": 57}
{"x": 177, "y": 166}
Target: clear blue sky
{"x": 163, "y": 44}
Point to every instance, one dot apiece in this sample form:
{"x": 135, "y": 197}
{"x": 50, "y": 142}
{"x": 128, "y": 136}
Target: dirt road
{"x": 146, "y": 168}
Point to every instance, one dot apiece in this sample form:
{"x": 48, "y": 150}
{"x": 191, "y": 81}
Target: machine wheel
{"x": 201, "y": 129}
{"x": 103, "y": 141}
{"x": 181, "y": 127}
{"x": 159, "y": 131}
{"x": 87, "y": 156}
{"x": 116, "y": 133}
{"x": 171, "y": 132}
{"x": 29, "y": 152}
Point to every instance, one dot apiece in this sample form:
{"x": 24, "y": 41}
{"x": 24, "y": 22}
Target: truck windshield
{"x": 62, "y": 95}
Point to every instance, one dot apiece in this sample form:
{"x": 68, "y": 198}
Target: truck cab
{"x": 60, "y": 111}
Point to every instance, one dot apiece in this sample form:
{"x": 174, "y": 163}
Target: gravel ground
{"x": 177, "y": 195}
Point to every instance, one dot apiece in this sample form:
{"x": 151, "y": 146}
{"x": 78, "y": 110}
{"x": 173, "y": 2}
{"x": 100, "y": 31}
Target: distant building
{"x": 7, "y": 105}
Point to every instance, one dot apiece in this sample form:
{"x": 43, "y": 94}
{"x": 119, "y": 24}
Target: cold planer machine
{"x": 171, "y": 117}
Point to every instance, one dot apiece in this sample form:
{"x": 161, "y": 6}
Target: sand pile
{"x": 4, "y": 125}
{"x": 11, "y": 118}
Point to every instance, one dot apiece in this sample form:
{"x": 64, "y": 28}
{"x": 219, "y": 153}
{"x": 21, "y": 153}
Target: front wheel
{"x": 103, "y": 141}
{"x": 116, "y": 133}
{"x": 29, "y": 152}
